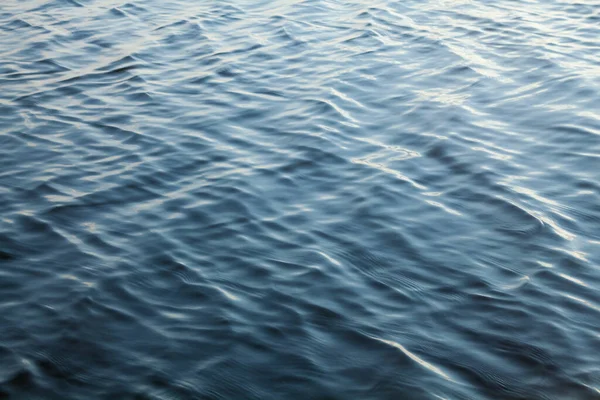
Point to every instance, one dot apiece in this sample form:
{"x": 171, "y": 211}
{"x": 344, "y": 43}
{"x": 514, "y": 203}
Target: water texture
{"x": 299, "y": 199}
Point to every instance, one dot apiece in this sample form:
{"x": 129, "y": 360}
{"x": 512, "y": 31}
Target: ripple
{"x": 305, "y": 199}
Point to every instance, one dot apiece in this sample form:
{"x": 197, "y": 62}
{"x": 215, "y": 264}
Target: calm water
{"x": 299, "y": 199}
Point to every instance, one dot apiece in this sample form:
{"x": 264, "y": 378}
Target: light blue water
{"x": 300, "y": 199}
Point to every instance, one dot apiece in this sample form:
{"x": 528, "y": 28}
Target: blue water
{"x": 299, "y": 199}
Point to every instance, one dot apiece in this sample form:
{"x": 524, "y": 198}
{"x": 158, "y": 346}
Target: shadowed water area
{"x": 299, "y": 199}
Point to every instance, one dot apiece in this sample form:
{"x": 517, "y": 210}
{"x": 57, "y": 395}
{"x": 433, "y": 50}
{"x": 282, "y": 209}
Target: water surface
{"x": 299, "y": 199}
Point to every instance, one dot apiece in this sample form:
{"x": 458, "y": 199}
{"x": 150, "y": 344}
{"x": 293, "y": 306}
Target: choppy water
{"x": 300, "y": 199}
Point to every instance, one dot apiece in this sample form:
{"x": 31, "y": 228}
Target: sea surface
{"x": 299, "y": 199}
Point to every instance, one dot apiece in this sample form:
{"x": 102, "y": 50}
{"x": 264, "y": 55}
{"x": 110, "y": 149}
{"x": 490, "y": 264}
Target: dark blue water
{"x": 299, "y": 199}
